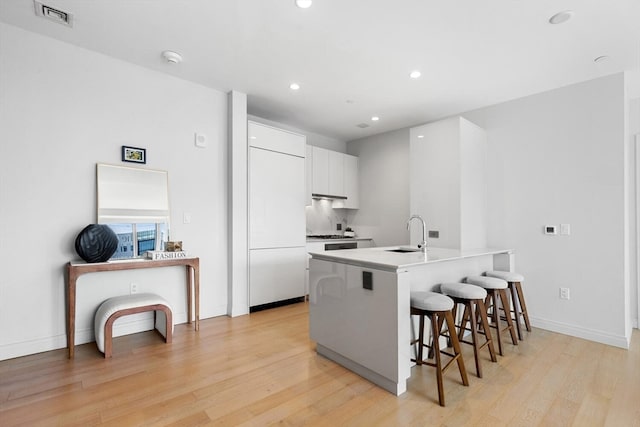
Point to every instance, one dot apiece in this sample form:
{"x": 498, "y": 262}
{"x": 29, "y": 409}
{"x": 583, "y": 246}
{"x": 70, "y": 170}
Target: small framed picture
{"x": 134, "y": 154}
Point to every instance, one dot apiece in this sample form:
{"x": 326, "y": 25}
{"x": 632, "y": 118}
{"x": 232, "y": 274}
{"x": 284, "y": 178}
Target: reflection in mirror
{"x": 135, "y": 204}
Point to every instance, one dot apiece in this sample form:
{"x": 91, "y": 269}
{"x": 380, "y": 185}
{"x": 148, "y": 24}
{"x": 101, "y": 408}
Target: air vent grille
{"x": 52, "y": 14}
{"x": 362, "y": 125}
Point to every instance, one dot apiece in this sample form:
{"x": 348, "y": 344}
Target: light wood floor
{"x": 262, "y": 369}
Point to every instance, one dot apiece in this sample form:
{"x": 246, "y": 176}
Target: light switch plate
{"x": 550, "y": 229}
{"x": 565, "y": 229}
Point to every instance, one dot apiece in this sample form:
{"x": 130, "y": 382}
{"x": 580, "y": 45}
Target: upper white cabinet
{"x": 351, "y": 182}
{"x": 309, "y": 174}
{"x": 320, "y": 183}
{"x": 333, "y": 174}
{"x": 269, "y": 138}
{"x": 336, "y": 174}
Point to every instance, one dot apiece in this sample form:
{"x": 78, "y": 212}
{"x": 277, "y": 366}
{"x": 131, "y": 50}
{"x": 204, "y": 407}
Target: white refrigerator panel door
{"x": 276, "y": 274}
{"x": 276, "y": 199}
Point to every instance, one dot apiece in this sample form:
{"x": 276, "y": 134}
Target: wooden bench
{"x": 113, "y": 308}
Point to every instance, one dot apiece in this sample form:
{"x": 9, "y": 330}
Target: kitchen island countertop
{"x": 384, "y": 258}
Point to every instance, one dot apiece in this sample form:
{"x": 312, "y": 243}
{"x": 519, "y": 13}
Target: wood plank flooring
{"x": 262, "y": 369}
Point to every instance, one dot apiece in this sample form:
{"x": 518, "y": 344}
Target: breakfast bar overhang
{"x": 359, "y": 313}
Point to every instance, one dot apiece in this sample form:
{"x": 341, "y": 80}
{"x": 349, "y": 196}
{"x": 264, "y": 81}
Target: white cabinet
{"x": 351, "y": 182}
{"x": 336, "y": 174}
{"x": 277, "y": 220}
{"x": 332, "y": 173}
{"x": 270, "y": 138}
{"x": 308, "y": 161}
{"x": 311, "y": 247}
{"x": 320, "y": 171}
{"x": 276, "y": 199}
{"x": 276, "y": 274}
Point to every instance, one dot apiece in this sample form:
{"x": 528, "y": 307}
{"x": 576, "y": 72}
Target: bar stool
{"x": 472, "y": 298}
{"x": 496, "y": 288}
{"x": 437, "y": 308}
{"x": 514, "y": 281}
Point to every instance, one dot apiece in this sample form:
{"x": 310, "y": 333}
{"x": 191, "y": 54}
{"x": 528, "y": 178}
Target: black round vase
{"x": 96, "y": 243}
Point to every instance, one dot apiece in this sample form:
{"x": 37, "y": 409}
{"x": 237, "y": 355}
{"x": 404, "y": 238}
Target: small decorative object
{"x": 348, "y": 232}
{"x": 134, "y": 154}
{"x": 174, "y": 246}
{"x": 96, "y": 243}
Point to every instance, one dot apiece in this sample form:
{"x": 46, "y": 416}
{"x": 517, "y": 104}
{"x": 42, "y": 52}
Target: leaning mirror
{"x": 134, "y": 202}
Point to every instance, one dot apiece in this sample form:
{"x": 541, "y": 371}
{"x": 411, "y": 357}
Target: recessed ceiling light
{"x": 601, "y": 59}
{"x": 172, "y": 57}
{"x": 294, "y": 86}
{"x": 561, "y": 17}
{"x": 304, "y": 4}
{"x": 375, "y": 118}
{"x": 415, "y": 74}
{"x": 420, "y": 136}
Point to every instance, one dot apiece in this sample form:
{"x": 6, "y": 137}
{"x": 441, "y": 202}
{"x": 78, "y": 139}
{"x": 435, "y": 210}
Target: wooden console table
{"x": 76, "y": 269}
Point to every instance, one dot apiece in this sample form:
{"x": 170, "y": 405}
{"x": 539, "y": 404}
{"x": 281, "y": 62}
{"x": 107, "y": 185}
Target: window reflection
{"x": 136, "y": 239}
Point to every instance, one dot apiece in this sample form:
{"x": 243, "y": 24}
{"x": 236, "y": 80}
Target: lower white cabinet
{"x": 276, "y": 274}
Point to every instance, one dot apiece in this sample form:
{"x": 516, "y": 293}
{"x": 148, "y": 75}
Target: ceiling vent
{"x": 363, "y": 125}
{"x": 52, "y": 14}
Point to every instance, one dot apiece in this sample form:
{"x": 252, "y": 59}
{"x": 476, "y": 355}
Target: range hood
{"x": 327, "y": 196}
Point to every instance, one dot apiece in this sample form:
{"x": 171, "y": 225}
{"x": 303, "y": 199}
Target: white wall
{"x": 384, "y": 187}
{"x": 558, "y": 157}
{"x": 555, "y": 157}
{"x": 62, "y": 110}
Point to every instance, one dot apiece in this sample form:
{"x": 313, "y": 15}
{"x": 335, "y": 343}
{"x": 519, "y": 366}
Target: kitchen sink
{"x": 403, "y": 250}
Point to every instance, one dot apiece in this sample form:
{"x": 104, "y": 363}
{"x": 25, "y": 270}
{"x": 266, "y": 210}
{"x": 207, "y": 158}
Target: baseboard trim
{"x": 144, "y": 322}
{"x": 580, "y": 332}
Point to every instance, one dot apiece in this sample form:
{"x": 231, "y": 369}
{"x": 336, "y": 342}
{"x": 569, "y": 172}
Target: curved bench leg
{"x": 108, "y": 326}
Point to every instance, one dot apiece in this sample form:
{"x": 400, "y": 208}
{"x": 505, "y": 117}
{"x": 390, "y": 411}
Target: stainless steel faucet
{"x": 422, "y": 245}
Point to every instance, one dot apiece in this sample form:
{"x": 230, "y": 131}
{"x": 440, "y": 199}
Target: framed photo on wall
{"x": 134, "y": 154}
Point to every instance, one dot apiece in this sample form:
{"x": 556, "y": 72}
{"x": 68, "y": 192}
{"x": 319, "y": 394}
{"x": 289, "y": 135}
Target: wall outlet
{"x": 564, "y": 293}
{"x": 338, "y": 226}
{"x": 434, "y": 234}
{"x": 133, "y": 288}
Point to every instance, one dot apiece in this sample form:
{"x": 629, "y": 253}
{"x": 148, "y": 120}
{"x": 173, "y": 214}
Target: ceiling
{"x": 352, "y": 58}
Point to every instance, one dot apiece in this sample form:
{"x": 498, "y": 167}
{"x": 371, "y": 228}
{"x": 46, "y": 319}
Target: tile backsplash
{"x": 322, "y": 218}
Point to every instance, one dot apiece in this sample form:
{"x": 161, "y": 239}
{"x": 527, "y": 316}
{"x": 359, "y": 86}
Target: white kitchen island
{"x": 369, "y": 330}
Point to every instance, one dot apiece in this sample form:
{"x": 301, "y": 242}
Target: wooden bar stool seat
{"x": 472, "y": 298}
{"x": 519, "y": 306}
{"x": 496, "y": 290}
{"x": 437, "y": 308}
